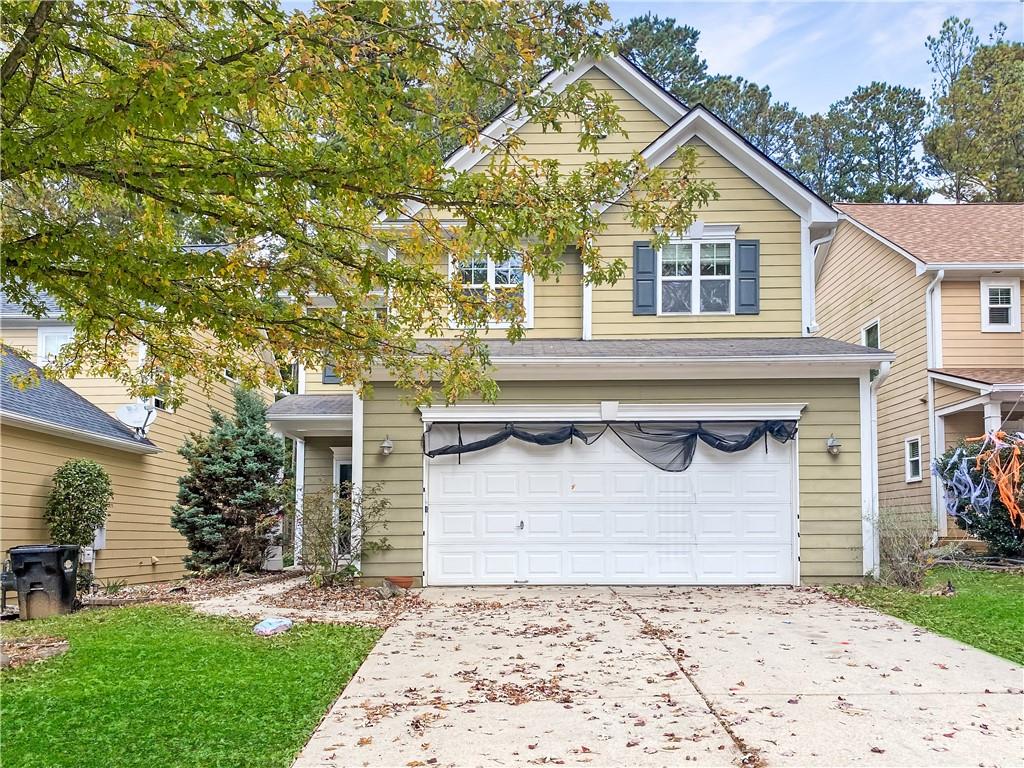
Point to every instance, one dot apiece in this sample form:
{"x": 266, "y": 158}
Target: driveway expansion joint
{"x": 750, "y": 757}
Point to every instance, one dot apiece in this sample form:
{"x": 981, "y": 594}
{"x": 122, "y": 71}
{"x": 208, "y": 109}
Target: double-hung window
{"x": 1000, "y": 306}
{"x": 696, "y": 277}
{"x": 870, "y": 336}
{"x": 51, "y": 340}
{"x": 912, "y": 455}
{"x": 505, "y": 281}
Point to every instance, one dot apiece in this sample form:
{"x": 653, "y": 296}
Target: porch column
{"x": 993, "y": 416}
{"x": 300, "y": 481}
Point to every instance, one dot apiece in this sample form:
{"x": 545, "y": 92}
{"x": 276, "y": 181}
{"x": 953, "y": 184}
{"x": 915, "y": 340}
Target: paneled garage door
{"x": 599, "y": 514}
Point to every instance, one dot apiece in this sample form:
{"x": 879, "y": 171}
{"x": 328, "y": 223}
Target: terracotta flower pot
{"x": 402, "y": 582}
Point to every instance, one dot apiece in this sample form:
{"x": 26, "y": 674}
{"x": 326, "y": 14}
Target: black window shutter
{"x": 645, "y": 279}
{"x": 748, "y": 277}
{"x": 330, "y": 377}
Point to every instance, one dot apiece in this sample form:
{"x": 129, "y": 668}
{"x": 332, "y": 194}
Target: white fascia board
{"x": 626, "y": 412}
{"x": 702, "y": 124}
{"x": 618, "y": 69}
{"x": 963, "y": 405}
{"x": 58, "y": 430}
{"x": 1006, "y": 269}
{"x": 958, "y": 381}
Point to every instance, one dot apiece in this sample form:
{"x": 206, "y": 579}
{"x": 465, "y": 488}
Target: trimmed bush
{"x": 78, "y": 502}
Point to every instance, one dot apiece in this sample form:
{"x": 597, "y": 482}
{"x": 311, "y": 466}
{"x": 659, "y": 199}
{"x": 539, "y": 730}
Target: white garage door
{"x": 599, "y": 514}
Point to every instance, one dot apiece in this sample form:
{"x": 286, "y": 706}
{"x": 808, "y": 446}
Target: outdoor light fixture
{"x": 386, "y": 447}
{"x": 832, "y": 445}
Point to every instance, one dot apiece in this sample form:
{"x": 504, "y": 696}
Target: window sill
{"x": 918, "y": 480}
{"x": 1009, "y": 329}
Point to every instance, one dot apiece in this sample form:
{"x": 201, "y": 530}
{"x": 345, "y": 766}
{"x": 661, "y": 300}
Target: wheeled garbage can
{"x": 46, "y": 576}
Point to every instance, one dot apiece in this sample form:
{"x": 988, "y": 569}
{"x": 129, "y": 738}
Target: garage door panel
{"x": 601, "y": 515}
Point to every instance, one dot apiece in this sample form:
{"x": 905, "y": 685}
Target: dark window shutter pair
{"x": 748, "y": 278}
{"x": 330, "y": 377}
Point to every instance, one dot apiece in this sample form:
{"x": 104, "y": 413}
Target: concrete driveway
{"x": 668, "y": 676}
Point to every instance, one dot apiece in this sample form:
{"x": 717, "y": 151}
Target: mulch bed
{"x": 17, "y": 652}
{"x": 186, "y": 590}
{"x": 348, "y": 598}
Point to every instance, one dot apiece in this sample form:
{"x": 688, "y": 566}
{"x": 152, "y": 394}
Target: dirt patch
{"x": 185, "y": 590}
{"x": 17, "y": 652}
{"x": 349, "y": 599}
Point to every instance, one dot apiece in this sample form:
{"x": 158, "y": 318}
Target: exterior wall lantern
{"x": 832, "y": 445}
{"x": 386, "y": 446}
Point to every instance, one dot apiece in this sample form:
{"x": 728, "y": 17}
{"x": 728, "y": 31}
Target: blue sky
{"x": 814, "y": 53}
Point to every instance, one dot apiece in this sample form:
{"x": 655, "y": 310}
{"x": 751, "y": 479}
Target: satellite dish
{"x": 137, "y": 416}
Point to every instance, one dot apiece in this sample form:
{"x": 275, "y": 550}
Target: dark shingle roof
{"x": 57, "y": 405}
{"x": 709, "y": 349}
{"x": 311, "y": 405}
{"x": 12, "y": 309}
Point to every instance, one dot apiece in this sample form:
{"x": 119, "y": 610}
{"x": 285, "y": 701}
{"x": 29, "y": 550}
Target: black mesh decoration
{"x": 667, "y": 445}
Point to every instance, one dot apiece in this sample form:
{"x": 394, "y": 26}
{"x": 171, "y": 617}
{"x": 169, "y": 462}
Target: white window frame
{"x": 51, "y": 330}
{"x": 152, "y": 400}
{"x": 864, "y": 333}
{"x": 1013, "y": 326}
{"x": 695, "y": 277}
{"x": 910, "y": 476}
{"x": 527, "y": 293}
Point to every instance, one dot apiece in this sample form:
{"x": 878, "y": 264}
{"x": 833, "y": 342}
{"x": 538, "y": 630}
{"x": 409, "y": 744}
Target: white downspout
{"x": 933, "y": 345}
{"x": 883, "y": 374}
{"x": 812, "y": 322}
{"x": 300, "y": 481}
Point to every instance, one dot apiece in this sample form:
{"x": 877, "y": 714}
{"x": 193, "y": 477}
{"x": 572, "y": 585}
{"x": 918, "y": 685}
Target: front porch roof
{"x": 988, "y": 379}
{"x": 312, "y": 415}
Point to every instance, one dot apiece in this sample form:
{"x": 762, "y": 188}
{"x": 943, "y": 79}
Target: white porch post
{"x": 993, "y": 416}
{"x": 300, "y": 480}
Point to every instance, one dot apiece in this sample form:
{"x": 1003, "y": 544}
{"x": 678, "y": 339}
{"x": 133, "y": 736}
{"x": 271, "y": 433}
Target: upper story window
{"x": 506, "y": 281}
{"x": 696, "y": 277}
{"x": 1000, "y": 305}
{"x": 51, "y": 340}
{"x": 870, "y": 336}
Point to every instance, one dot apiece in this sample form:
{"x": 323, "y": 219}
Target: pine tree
{"x": 229, "y": 500}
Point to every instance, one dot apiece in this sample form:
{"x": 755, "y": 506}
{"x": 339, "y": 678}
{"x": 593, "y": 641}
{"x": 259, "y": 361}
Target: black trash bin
{"x": 46, "y": 576}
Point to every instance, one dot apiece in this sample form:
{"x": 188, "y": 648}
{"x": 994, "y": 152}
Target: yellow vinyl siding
{"x": 860, "y": 281}
{"x": 138, "y": 528}
{"x": 947, "y": 394}
{"x": 830, "y": 487}
{"x": 640, "y": 127}
{"x": 964, "y": 344}
{"x": 142, "y": 528}
{"x": 962, "y": 425}
{"x": 759, "y": 216}
{"x": 319, "y": 470}
{"x": 314, "y": 383}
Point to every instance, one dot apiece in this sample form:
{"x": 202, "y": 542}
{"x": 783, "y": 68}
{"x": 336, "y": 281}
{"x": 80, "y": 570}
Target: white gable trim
{"x": 621, "y": 71}
{"x": 700, "y": 123}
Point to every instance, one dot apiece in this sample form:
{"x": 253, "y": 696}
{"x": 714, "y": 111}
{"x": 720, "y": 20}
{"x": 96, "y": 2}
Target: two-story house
{"x": 940, "y": 286}
{"x": 682, "y": 426}
{"x": 44, "y": 426}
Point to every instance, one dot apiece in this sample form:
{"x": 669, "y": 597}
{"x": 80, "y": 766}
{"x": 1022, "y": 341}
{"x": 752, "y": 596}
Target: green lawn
{"x": 163, "y": 686}
{"x": 985, "y": 612}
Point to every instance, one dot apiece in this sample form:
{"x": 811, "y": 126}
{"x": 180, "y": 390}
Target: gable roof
{"x": 621, "y": 70}
{"x": 702, "y": 123}
{"x": 55, "y": 408}
{"x": 13, "y": 310}
{"x": 946, "y": 233}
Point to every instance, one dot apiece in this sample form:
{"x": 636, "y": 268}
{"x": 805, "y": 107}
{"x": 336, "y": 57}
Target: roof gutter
{"x": 59, "y": 430}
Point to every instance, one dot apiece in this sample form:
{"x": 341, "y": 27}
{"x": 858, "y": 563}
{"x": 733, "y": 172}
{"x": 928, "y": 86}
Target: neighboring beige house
{"x": 940, "y": 286}
{"x": 139, "y": 544}
{"x": 594, "y": 471}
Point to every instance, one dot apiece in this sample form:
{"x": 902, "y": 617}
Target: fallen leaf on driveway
{"x": 877, "y": 750}
{"x": 365, "y": 740}
{"x": 632, "y": 743}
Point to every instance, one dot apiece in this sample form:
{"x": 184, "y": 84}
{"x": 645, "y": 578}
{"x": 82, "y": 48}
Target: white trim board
{"x": 702, "y": 124}
{"x": 614, "y": 411}
{"x": 70, "y": 433}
